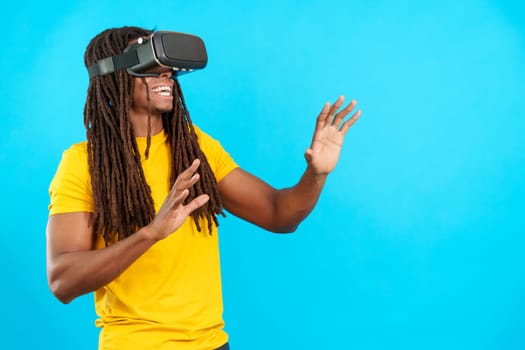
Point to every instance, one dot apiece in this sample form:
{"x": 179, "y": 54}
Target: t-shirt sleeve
{"x": 220, "y": 161}
{"x": 70, "y": 189}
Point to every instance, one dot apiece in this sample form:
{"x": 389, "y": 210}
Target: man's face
{"x": 160, "y": 90}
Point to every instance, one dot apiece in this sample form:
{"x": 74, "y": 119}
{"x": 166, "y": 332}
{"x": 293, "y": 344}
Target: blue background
{"x": 417, "y": 240}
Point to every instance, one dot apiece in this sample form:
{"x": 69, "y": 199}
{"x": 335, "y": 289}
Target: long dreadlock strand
{"x": 180, "y": 126}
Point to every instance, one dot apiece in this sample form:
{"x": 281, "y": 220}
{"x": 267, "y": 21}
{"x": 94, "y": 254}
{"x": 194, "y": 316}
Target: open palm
{"x": 329, "y": 134}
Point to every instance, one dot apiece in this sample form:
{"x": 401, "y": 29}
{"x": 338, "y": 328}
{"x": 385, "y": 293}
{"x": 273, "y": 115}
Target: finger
{"x": 181, "y": 185}
{"x": 190, "y": 182}
{"x": 341, "y": 115}
{"x": 323, "y": 116}
{"x": 196, "y": 203}
{"x": 186, "y": 175}
{"x": 347, "y": 124}
{"x": 179, "y": 199}
{"x": 338, "y": 103}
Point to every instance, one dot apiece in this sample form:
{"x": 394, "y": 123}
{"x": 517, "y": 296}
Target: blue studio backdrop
{"x": 417, "y": 240}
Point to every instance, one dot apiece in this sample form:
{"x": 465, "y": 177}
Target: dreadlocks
{"x": 122, "y": 199}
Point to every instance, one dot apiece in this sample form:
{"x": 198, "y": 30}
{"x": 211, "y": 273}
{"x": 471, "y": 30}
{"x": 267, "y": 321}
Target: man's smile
{"x": 163, "y": 90}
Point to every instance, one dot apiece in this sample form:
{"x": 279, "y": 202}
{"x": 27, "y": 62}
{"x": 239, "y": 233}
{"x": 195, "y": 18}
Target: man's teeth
{"x": 162, "y": 90}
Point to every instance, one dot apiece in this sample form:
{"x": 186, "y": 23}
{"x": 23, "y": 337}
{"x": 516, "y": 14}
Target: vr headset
{"x": 182, "y": 53}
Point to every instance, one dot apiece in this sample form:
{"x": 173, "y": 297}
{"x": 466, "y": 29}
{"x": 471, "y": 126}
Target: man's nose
{"x": 166, "y": 74}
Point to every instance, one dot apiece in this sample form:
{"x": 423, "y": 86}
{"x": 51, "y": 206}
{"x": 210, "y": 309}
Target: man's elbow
{"x": 283, "y": 229}
{"x": 58, "y": 289}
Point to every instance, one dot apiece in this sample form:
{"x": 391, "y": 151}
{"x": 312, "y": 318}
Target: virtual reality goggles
{"x": 182, "y": 53}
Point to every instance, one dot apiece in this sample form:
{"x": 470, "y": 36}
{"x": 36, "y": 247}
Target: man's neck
{"x": 140, "y": 123}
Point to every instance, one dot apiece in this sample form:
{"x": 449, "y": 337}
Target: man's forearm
{"x": 292, "y": 205}
{"x": 80, "y": 272}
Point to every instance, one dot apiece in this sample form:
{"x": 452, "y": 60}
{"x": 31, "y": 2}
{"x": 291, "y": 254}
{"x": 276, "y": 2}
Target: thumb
{"x": 308, "y": 155}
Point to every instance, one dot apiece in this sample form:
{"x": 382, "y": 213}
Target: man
{"x": 133, "y": 209}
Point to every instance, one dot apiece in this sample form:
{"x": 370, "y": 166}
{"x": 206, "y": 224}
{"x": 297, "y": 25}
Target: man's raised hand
{"x": 173, "y": 212}
{"x": 329, "y": 134}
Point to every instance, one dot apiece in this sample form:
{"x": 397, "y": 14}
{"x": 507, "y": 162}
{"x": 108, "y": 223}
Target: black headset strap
{"x": 110, "y": 64}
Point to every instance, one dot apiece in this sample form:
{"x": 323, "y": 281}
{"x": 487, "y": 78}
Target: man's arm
{"x": 252, "y": 199}
{"x": 74, "y": 267}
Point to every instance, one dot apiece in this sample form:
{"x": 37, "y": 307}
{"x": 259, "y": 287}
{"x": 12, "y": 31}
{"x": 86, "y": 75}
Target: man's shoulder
{"x": 76, "y": 156}
{"x": 77, "y": 149}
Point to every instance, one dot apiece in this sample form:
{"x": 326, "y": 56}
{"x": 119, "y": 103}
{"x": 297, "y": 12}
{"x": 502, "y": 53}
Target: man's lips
{"x": 163, "y": 90}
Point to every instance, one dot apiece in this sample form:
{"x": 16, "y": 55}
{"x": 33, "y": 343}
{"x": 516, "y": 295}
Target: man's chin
{"x": 164, "y": 110}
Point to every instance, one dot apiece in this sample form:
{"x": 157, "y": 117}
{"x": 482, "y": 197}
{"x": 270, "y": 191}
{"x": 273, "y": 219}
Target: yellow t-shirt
{"x": 170, "y": 297}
